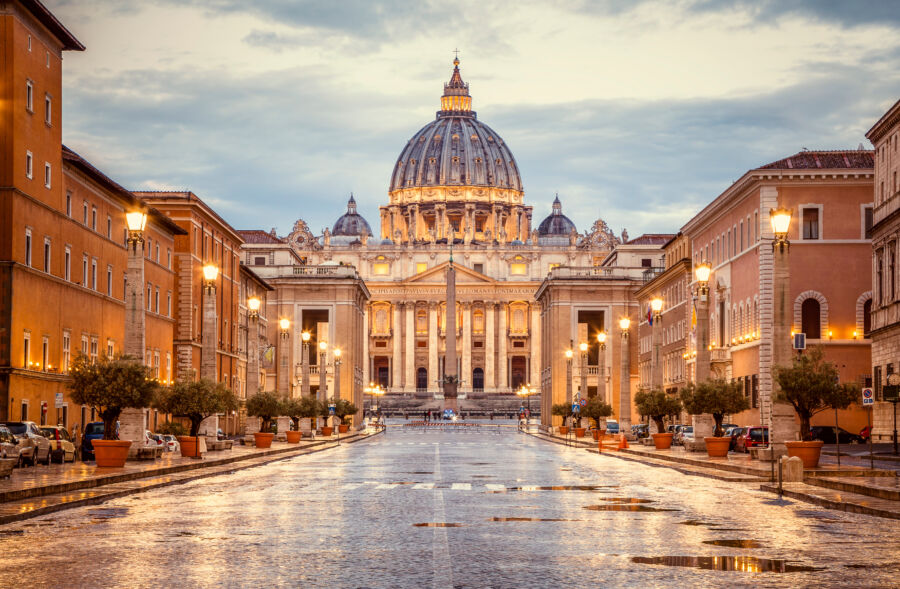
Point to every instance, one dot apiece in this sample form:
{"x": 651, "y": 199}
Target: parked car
{"x": 684, "y": 431}
{"x": 640, "y": 430}
{"x": 727, "y": 426}
{"x": 612, "y": 427}
{"x": 28, "y": 430}
{"x": 172, "y": 444}
{"x": 733, "y": 433}
{"x": 827, "y": 435}
{"x": 752, "y": 437}
{"x": 152, "y": 440}
{"x": 9, "y": 447}
{"x": 92, "y": 431}
{"x": 65, "y": 451}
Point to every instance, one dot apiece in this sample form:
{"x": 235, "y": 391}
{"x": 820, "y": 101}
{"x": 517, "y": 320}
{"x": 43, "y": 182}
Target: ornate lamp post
{"x": 132, "y": 424}
{"x": 525, "y": 391}
{"x": 656, "y": 376}
{"x": 304, "y": 385}
{"x": 284, "y": 331}
{"x": 253, "y": 305}
{"x": 323, "y": 371}
{"x": 625, "y": 378}
{"x": 780, "y": 417}
{"x": 582, "y": 388}
{"x": 701, "y": 366}
{"x": 601, "y": 360}
{"x": 569, "y": 355}
{"x": 209, "y": 340}
{"x": 376, "y": 391}
{"x": 337, "y": 373}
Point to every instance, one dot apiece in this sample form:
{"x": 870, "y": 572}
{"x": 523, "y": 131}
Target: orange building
{"x": 830, "y": 196}
{"x": 62, "y": 236}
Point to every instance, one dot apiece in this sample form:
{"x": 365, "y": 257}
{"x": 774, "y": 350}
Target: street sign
{"x": 59, "y": 400}
{"x": 799, "y": 341}
{"x": 868, "y": 396}
{"x": 582, "y": 402}
{"x": 576, "y": 407}
{"x": 890, "y": 392}
{"x": 331, "y": 410}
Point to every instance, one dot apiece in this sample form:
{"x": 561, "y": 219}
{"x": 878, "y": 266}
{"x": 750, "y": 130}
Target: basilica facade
{"x": 455, "y": 190}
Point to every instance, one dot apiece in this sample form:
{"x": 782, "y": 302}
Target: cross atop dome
{"x": 456, "y": 100}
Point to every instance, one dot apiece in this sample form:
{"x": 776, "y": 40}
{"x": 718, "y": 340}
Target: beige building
{"x": 455, "y": 190}
{"x": 885, "y": 304}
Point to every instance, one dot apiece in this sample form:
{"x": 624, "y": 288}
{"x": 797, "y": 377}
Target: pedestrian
{"x": 76, "y": 430}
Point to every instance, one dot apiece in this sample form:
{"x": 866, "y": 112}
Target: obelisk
{"x": 451, "y": 376}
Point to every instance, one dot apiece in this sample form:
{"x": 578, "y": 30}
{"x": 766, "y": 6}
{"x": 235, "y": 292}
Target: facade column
{"x": 433, "y": 351}
{"x": 132, "y": 421}
{"x": 625, "y": 384}
{"x": 466, "y": 376}
{"x": 535, "y": 335}
{"x": 367, "y": 374}
{"x": 409, "y": 335}
{"x": 502, "y": 360}
{"x": 210, "y": 425}
{"x": 489, "y": 358}
{"x": 396, "y": 359}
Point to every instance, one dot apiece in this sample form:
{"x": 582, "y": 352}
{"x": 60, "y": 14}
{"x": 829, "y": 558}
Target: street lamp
{"x": 656, "y": 377}
{"x": 601, "y": 361}
{"x": 133, "y": 423}
{"x": 210, "y": 274}
{"x": 376, "y": 390}
{"x": 304, "y": 386}
{"x": 582, "y": 389}
{"x": 136, "y": 221}
{"x": 569, "y": 355}
{"x": 337, "y": 373}
{"x": 701, "y": 366}
{"x": 284, "y": 326}
{"x": 781, "y": 222}
{"x": 253, "y": 304}
{"x": 625, "y": 378}
{"x": 781, "y": 419}
{"x": 323, "y": 370}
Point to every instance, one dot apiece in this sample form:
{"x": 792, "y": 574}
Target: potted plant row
{"x": 657, "y": 405}
{"x": 297, "y": 409}
{"x": 563, "y": 410}
{"x": 195, "y": 401}
{"x": 597, "y": 410}
{"x": 811, "y": 385}
{"x": 717, "y": 398}
{"x": 266, "y": 406}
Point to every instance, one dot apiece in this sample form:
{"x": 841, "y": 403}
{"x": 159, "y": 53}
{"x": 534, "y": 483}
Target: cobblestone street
{"x": 483, "y": 508}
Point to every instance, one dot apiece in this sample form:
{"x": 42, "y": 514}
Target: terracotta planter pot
{"x": 263, "y": 440}
{"x": 293, "y": 437}
{"x": 579, "y": 432}
{"x": 343, "y": 429}
{"x": 563, "y": 430}
{"x": 189, "y": 446}
{"x": 717, "y": 447}
{"x": 327, "y": 431}
{"x": 808, "y": 452}
{"x": 662, "y": 441}
{"x": 111, "y": 453}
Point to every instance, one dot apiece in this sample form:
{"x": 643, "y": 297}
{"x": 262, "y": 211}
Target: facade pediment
{"x": 464, "y": 276}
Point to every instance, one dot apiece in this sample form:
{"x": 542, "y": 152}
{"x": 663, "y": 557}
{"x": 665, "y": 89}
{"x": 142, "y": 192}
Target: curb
{"x": 835, "y": 505}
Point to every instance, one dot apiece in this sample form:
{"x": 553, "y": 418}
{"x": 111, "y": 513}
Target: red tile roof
{"x": 826, "y": 160}
{"x": 651, "y": 239}
{"x": 259, "y": 236}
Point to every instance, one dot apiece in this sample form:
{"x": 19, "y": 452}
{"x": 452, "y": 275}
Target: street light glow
{"x": 253, "y": 304}
{"x": 656, "y": 304}
{"x": 624, "y": 323}
{"x": 305, "y": 336}
{"x": 284, "y": 323}
{"x": 136, "y": 220}
{"x": 601, "y": 337}
{"x": 569, "y": 354}
{"x": 337, "y": 352}
{"x": 323, "y": 345}
{"x": 781, "y": 221}
{"x": 210, "y": 272}
{"x": 702, "y": 272}
{"x": 583, "y": 346}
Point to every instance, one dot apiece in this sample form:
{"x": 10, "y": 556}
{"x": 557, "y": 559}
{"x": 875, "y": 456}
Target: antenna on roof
{"x": 804, "y": 149}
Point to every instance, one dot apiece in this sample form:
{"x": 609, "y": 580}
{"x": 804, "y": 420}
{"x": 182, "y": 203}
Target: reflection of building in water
{"x": 455, "y": 182}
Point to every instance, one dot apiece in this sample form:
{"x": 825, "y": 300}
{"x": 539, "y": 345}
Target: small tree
{"x": 344, "y": 408}
{"x": 110, "y": 385}
{"x": 656, "y": 404}
{"x": 596, "y": 409}
{"x": 299, "y": 408}
{"x": 266, "y": 406}
{"x": 172, "y": 428}
{"x": 563, "y": 410}
{"x": 715, "y": 397}
{"x": 195, "y": 400}
{"x": 811, "y": 385}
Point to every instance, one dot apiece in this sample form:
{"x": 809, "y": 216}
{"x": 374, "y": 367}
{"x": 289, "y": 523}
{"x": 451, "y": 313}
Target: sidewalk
{"x": 853, "y": 486}
{"x": 35, "y": 491}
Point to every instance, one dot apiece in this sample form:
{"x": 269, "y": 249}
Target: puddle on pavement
{"x": 625, "y": 507}
{"x": 625, "y": 500}
{"x": 532, "y": 519}
{"x": 564, "y": 488}
{"x": 11, "y": 532}
{"x": 482, "y": 476}
{"x": 418, "y": 472}
{"x": 744, "y": 564}
{"x": 438, "y": 525}
{"x": 735, "y": 543}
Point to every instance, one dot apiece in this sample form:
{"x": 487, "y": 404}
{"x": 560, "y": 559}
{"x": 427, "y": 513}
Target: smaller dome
{"x": 351, "y": 222}
{"x": 556, "y": 223}
{"x": 387, "y": 241}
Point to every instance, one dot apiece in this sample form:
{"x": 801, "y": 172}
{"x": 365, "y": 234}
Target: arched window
{"x": 518, "y": 321}
{"x": 381, "y": 321}
{"x": 811, "y": 319}
{"x": 477, "y": 379}
{"x": 422, "y": 379}
{"x": 421, "y": 321}
{"x": 867, "y": 317}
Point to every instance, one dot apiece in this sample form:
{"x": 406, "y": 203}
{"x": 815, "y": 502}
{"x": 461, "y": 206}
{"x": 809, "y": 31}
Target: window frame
{"x": 819, "y": 222}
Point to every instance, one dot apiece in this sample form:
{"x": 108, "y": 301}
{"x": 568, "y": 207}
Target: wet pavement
{"x": 473, "y": 508}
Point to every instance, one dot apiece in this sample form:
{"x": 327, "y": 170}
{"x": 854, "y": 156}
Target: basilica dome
{"x": 556, "y": 224}
{"x": 351, "y": 223}
{"x": 456, "y": 149}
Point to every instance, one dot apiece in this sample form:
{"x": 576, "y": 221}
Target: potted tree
{"x": 597, "y": 410}
{"x": 297, "y": 409}
{"x": 343, "y": 409}
{"x": 194, "y": 400}
{"x": 266, "y": 406}
{"x": 656, "y": 404}
{"x": 811, "y": 385}
{"x": 563, "y": 410}
{"x": 325, "y": 413}
{"x": 110, "y": 385}
{"x": 717, "y": 398}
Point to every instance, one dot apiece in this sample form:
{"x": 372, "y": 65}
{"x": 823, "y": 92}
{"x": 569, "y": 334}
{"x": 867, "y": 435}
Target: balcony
{"x": 326, "y": 270}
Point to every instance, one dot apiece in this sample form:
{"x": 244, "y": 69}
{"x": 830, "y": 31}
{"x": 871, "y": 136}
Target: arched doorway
{"x": 477, "y": 379}
{"x": 422, "y": 379}
{"x": 811, "y": 320}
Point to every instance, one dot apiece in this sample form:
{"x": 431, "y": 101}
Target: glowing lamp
{"x": 323, "y": 345}
{"x": 781, "y": 221}
{"x": 284, "y": 323}
{"x": 624, "y": 323}
{"x": 136, "y": 220}
{"x": 337, "y": 352}
{"x": 702, "y": 272}
{"x": 210, "y": 272}
{"x": 305, "y": 336}
{"x": 253, "y": 304}
{"x": 656, "y": 304}
{"x": 583, "y": 346}
{"x": 569, "y": 354}
{"x": 601, "y": 337}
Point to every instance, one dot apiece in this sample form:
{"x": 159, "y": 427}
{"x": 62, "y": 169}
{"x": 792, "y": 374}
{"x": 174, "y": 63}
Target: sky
{"x": 636, "y": 111}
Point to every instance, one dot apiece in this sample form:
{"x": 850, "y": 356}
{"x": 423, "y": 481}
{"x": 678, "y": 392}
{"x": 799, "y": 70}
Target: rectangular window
{"x": 84, "y": 345}
{"x": 84, "y": 271}
{"x": 24, "y": 411}
{"x": 94, "y": 218}
{"x": 26, "y": 350}
{"x": 28, "y": 247}
{"x": 741, "y": 238}
{"x": 168, "y": 258}
{"x": 109, "y": 274}
{"x": 108, "y": 227}
{"x": 48, "y": 176}
{"x": 478, "y": 268}
{"x": 94, "y": 350}
{"x": 68, "y": 204}
{"x": 149, "y": 298}
{"x": 156, "y": 300}
{"x": 110, "y": 348}
{"x": 810, "y": 216}
{"x": 867, "y": 221}
{"x": 29, "y": 165}
{"x": 421, "y": 267}
{"x": 68, "y": 268}
{"x": 29, "y": 43}
{"x": 66, "y": 351}
{"x": 29, "y": 96}
{"x": 48, "y": 109}
{"x": 85, "y": 211}
{"x": 45, "y": 353}
{"x": 157, "y": 252}
{"x": 169, "y": 304}
{"x": 168, "y": 366}
{"x": 94, "y": 274}
{"x": 47, "y": 255}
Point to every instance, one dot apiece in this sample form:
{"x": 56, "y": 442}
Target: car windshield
{"x": 16, "y": 428}
{"x": 93, "y": 429}
{"x": 757, "y": 434}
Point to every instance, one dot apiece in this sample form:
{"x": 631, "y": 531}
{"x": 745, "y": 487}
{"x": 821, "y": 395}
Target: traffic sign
{"x": 576, "y": 407}
{"x": 331, "y": 410}
{"x": 582, "y": 402}
{"x": 868, "y": 396}
{"x": 59, "y": 400}
{"x": 799, "y": 341}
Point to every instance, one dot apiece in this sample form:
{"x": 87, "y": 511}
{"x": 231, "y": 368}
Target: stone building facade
{"x": 885, "y": 304}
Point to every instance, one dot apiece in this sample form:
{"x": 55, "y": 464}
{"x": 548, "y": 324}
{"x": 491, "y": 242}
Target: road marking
{"x": 387, "y": 486}
{"x": 495, "y": 487}
{"x": 423, "y": 486}
{"x": 461, "y": 487}
{"x": 351, "y": 486}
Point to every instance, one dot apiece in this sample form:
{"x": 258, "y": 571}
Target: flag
{"x": 693, "y": 315}
{"x": 649, "y": 315}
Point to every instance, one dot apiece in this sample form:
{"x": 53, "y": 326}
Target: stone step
{"x": 838, "y": 500}
{"x": 880, "y": 487}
